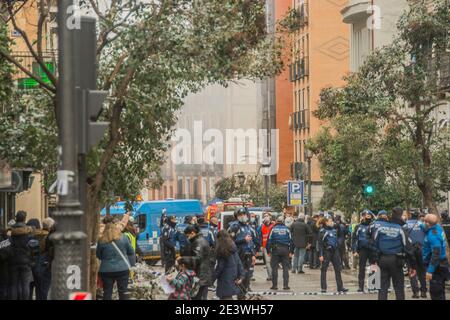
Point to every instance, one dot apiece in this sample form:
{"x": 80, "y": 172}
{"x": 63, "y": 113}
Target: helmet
{"x": 382, "y": 213}
{"x": 444, "y": 214}
{"x": 240, "y": 211}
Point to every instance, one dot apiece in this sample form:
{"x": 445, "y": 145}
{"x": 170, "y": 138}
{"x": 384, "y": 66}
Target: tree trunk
{"x": 93, "y": 218}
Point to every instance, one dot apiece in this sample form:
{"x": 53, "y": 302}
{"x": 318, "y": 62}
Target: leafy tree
{"x": 151, "y": 54}
{"x": 383, "y": 128}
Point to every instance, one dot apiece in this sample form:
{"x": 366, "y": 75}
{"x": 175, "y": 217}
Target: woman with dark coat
{"x": 229, "y": 271}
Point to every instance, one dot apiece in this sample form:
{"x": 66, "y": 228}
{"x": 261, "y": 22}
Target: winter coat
{"x": 183, "y": 285}
{"x": 111, "y": 260}
{"x": 4, "y": 260}
{"x": 227, "y": 271}
{"x": 201, "y": 252}
{"x": 301, "y": 234}
{"x": 21, "y": 234}
{"x": 315, "y": 234}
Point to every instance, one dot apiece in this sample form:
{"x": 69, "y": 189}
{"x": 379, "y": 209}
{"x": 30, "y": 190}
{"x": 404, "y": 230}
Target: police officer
{"x": 434, "y": 257}
{"x": 162, "y": 223}
{"x": 416, "y": 234}
{"x": 280, "y": 248}
{"x": 168, "y": 239}
{"x": 391, "y": 247}
{"x": 245, "y": 239}
{"x": 361, "y": 246}
{"x": 329, "y": 252}
{"x": 342, "y": 233}
{"x": 381, "y": 217}
{"x": 446, "y": 225}
{"x": 181, "y": 237}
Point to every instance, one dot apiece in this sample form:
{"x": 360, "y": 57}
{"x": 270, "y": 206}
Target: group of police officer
{"x": 393, "y": 242}
{"x": 387, "y": 242}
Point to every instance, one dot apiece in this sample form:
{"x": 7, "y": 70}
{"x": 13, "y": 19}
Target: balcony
{"x": 356, "y": 11}
{"x": 299, "y": 170}
{"x": 24, "y": 82}
{"x": 299, "y": 69}
{"x": 298, "y": 18}
{"x": 299, "y": 120}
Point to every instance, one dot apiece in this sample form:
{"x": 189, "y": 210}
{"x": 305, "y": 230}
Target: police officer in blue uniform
{"x": 181, "y": 237}
{"x": 416, "y": 234}
{"x": 382, "y": 216}
{"x": 361, "y": 246}
{"x": 168, "y": 239}
{"x": 329, "y": 252}
{"x": 245, "y": 239}
{"x": 280, "y": 247}
{"x": 391, "y": 249}
{"x": 434, "y": 257}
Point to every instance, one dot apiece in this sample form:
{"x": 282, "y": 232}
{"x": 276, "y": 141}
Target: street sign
{"x": 373, "y": 278}
{"x": 80, "y": 296}
{"x": 296, "y": 193}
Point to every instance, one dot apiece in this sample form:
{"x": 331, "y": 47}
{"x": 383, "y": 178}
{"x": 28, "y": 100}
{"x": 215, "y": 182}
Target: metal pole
{"x": 310, "y": 205}
{"x": 67, "y": 276}
{"x": 266, "y": 189}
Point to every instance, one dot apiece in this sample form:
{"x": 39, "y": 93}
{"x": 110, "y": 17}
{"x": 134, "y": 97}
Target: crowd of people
{"x": 26, "y": 255}
{"x": 389, "y": 243}
{"x": 224, "y": 260}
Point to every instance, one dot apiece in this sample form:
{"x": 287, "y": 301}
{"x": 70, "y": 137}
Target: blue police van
{"x": 148, "y": 219}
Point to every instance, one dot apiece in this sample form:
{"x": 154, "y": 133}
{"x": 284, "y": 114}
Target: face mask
{"x": 266, "y": 220}
{"x": 252, "y": 220}
{"x": 243, "y": 219}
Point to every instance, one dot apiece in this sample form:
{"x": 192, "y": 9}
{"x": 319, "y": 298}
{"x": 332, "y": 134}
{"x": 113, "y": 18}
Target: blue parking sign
{"x": 296, "y": 193}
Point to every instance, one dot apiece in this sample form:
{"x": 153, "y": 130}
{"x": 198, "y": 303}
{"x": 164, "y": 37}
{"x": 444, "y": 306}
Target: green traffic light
{"x": 369, "y": 189}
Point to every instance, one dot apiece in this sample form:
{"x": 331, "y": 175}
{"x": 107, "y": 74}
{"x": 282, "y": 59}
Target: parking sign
{"x": 296, "y": 194}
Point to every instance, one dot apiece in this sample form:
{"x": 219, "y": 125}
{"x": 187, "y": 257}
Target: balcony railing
{"x": 25, "y": 58}
{"x": 299, "y": 69}
{"x": 444, "y": 72}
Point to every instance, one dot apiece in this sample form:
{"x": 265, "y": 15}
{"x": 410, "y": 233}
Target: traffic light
{"x": 369, "y": 190}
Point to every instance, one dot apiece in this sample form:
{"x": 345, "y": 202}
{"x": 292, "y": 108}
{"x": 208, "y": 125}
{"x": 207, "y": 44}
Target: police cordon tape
{"x": 277, "y": 293}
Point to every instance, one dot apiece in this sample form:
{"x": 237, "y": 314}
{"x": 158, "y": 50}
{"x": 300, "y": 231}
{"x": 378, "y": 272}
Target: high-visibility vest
{"x": 132, "y": 240}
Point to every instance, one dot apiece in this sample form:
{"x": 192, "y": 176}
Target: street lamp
{"x": 265, "y": 171}
{"x": 309, "y": 155}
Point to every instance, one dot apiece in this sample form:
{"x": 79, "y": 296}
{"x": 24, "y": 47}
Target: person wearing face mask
{"x": 434, "y": 257}
{"x": 201, "y": 253}
{"x": 245, "y": 239}
{"x": 168, "y": 239}
{"x": 391, "y": 247}
{"x": 252, "y": 221}
{"x": 329, "y": 253}
{"x": 361, "y": 246}
{"x": 263, "y": 234}
{"x": 301, "y": 236}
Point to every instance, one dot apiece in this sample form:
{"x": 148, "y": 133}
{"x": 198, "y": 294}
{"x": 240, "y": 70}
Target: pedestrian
{"x": 329, "y": 252}
{"x": 301, "y": 237}
{"x": 162, "y": 223}
{"x": 20, "y": 262}
{"x": 39, "y": 264}
{"x": 391, "y": 249}
{"x": 361, "y": 246}
{"x": 435, "y": 257}
{"x": 342, "y": 233}
{"x": 413, "y": 229}
{"x": 184, "y": 280}
{"x": 181, "y": 237}
{"x": 246, "y": 241}
{"x": 48, "y": 224}
{"x": 168, "y": 241}
{"x": 116, "y": 257}
{"x": 229, "y": 271}
{"x": 446, "y": 225}
{"x": 201, "y": 253}
{"x": 314, "y": 262}
{"x": 253, "y": 221}
{"x": 281, "y": 248}
{"x": 263, "y": 234}
{"x": 212, "y": 240}
{"x": 5, "y": 254}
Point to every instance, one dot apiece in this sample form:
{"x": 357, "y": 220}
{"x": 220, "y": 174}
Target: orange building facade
{"x": 320, "y": 58}
{"x": 284, "y": 101}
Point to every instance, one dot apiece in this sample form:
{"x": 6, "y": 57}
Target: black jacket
{"x": 315, "y": 233}
{"x": 301, "y": 234}
{"x": 201, "y": 252}
{"x": 21, "y": 234}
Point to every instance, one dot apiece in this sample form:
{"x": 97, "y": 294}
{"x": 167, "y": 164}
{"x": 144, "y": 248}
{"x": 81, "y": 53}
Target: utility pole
{"x": 68, "y": 239}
